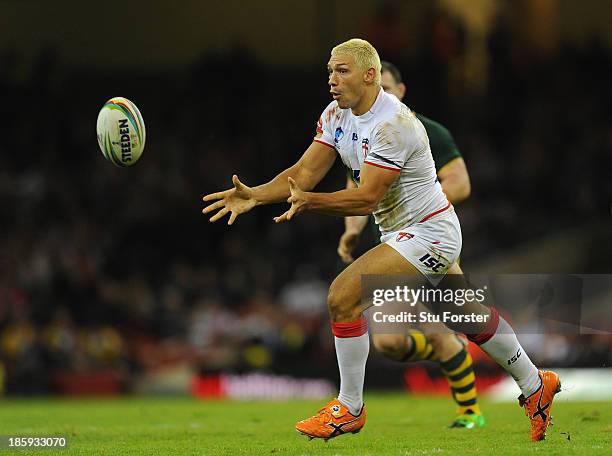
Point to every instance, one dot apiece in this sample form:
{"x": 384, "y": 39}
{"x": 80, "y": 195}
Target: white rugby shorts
{"x": 431, "y": 246}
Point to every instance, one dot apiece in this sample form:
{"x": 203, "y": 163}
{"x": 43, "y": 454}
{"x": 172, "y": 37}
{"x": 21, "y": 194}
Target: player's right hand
{"x": 347, "y": 244}
{"x": 234, "y": 201}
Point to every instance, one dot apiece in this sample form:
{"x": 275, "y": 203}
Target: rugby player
{"x": 438, "y": 344}
{"x": 398, "y": 184}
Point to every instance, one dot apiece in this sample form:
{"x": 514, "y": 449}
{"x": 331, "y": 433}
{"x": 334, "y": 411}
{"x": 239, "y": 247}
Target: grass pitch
{"x": 397, "y": 425}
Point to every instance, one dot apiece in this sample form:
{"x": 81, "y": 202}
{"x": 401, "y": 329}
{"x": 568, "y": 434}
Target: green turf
{"x": 397, "y": 425}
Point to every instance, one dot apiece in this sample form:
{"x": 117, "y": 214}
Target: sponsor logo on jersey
{"x": 339, "y": 134}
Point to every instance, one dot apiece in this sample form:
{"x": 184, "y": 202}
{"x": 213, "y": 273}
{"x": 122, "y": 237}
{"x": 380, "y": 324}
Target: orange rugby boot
{"x": 331, "y": 421}
{"x": 538, "y": 406}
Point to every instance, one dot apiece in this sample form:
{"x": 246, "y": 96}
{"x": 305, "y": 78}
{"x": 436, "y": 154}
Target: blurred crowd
{"x": 107, "y": 269}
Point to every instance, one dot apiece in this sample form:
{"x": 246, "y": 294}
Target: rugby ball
{"x": 121, "y": 132}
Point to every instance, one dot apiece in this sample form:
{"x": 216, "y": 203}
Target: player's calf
{"x": 445, "y": 345}
{"x": 393, "y": 346}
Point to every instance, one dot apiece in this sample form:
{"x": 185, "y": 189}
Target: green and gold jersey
{"x": 441, "y": 142}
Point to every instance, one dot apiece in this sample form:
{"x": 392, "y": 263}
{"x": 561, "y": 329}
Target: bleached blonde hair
{"x": 364, "y": 54}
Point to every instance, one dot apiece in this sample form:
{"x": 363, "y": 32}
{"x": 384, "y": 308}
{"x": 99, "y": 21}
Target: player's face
{"x": 390, "y": 85}
{"x": 346, "y": 81}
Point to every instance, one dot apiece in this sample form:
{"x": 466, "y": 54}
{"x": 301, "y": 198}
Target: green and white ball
{"x": 121, "y": 132}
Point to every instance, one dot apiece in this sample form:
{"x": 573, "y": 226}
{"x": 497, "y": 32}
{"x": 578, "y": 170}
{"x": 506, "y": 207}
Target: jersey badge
{"x": 403, "y": 236}
{"x": 339, "y": 134}
{"x": 365, "y": 146}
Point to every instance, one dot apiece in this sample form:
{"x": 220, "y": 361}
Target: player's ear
{"x": 402, "y": 90}
{"x": 369, "y": 76}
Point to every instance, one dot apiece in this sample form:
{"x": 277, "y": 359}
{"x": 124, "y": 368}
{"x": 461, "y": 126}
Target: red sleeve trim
{"x": 382, "y": 166}
{"x": 324, "y": 143}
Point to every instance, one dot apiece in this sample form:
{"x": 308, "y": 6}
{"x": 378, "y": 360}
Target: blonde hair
{"x": 364, "y": 54}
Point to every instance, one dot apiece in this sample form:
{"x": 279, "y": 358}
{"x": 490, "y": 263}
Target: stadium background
{"x": 111, "y": 279}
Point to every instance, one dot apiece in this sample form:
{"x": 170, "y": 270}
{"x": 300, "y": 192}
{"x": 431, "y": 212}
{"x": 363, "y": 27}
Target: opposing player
{"x": 439, "y": 344}
{"x": 397, "y": 183}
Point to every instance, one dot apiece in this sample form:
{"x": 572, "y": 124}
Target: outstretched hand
{"x": 297, "y": 200}
{"x": 234, "y": 201}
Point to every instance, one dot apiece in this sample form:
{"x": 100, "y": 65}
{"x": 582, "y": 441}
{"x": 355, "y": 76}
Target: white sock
{"x": 506, "y": 350}
{"x": 352, "y": 354}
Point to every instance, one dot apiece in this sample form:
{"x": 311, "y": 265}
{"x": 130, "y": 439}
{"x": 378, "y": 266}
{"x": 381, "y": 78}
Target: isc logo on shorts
{"x": 431, "y": 262}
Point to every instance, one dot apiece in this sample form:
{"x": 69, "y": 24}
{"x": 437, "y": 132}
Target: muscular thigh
{"x": 455, "y": 280}
{"x": 381, "y": 259}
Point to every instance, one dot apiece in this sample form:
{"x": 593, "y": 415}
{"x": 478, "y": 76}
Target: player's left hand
{"x": 297, "y": 200}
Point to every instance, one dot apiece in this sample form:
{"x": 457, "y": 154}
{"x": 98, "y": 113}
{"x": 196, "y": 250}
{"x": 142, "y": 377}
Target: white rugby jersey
{"x": 388, "y": 136}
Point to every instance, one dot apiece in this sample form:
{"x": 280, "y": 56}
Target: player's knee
{"x": 342, "y": 303}
{"x": 390, "y": 345}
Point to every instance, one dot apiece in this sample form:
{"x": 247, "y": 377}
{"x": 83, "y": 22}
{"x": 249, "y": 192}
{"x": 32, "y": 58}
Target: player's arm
{"x": 353, "y": 227}
{"x": 354, "y": 224}
{"x": 312, "y": 166}
{"x": 374, "y": 183}
{"x": 308, "y": 171}
{"x": 455, "y": 180}
{"x": 452, "y": 173}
